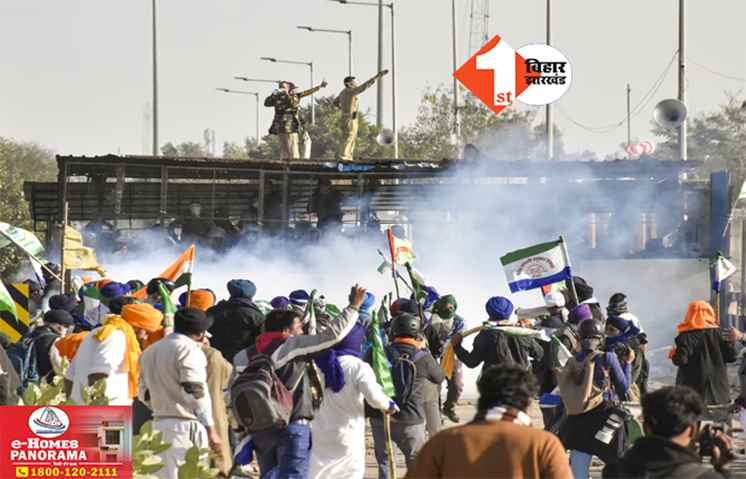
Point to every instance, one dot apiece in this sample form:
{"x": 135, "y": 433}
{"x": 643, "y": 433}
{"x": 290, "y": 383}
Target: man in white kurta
{"x": 338, "y": 449}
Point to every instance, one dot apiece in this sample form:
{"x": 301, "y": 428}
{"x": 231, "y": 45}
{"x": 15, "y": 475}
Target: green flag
{"x": 25, "y": 239}
{"x": 168, "y": 307}
{"x": 379, "y": 362}
{"x": 7, "y": 305}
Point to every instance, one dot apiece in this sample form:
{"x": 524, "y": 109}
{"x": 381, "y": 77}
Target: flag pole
{"x": 62, "y": 248}
{"x": 390, "y": 236}
{"x": 566, "y": 254}
{"x": 389, "y": 445}
{"x": 30, "y": 255}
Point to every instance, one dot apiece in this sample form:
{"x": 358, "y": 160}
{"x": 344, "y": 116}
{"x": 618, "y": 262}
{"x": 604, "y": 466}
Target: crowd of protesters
{"x": 554, "y": 389}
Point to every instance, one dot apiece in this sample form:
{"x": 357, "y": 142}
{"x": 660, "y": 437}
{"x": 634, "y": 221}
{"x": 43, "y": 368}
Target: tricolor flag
{"x": 401, "y": 249}
{"x": 537, "y": 266}
{"x": 180, "y": 272}
{"x": 722, "y": 269}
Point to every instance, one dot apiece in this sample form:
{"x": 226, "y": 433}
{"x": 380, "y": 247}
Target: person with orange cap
{"x": 701, "y": 353}
{"x": 111, "y": 352}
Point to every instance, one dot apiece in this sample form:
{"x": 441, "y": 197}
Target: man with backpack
{"x": 275, "y": 397}
{"x": 413, "y": 370}
{"x": 495, "y": 346}
{"x": 31, "y": 355}
{"x": 237, "y": 321}
{"x": 591, "y": 384}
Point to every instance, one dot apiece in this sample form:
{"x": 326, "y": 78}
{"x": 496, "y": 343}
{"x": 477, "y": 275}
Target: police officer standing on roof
{"x": 348, "y": 103}
{"x": 286, "y": 123}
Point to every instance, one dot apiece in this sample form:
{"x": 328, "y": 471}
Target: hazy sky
{"x": 76, "y": 74}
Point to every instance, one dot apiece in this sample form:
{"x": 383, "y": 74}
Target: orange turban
{"x": 142, "y": 316}
{"x": 201, "y": 299}
{"x": 699, "y": 315}
{"x": 69, "y": 345}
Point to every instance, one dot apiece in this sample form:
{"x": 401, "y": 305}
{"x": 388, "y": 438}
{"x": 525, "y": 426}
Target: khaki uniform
{"x": 218, "y": 375}
{"x": 347, "y": 101}
{"x": 286, "y": 122}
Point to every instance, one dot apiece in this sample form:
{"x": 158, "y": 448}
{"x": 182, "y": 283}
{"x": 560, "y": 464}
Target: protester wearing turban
{"x": 66, "y": 302}
{"x": 111, "y": 352}
{"x": 114, "y": 290}
{"x": 56, "y": 325}
{"x": 701, "y": 353}
{"x": 585, "y": 296}
{"x": 339, "y": 425}
{"x": 580, "y": 313}
{"x": 238, "y": 320}
{"x": 495, "y": 346}
{"x": 173, "y": 383}
{"x": 298, "y": 299}
{"x": 444, "y": 323}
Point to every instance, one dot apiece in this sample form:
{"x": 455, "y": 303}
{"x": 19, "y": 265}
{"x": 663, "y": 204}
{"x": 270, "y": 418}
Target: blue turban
{"x": 280, "y": 302}
{"x": 65, "y": 302}
{"x": 241, "y": 288}
{"x": 328, "y": 362}
{"x": 183, "y": 299}
{"x": 368, "y": 302}
{"x": 498, "y": 308}
{"x": 299, "y": 297}
{"x": 114, "y": 290}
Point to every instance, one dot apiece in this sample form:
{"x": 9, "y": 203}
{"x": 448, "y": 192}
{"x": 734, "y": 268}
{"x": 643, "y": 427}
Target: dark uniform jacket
{"x": 701, "y": 355}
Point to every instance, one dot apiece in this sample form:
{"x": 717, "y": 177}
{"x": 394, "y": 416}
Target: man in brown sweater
{"x": 500, "y": 442}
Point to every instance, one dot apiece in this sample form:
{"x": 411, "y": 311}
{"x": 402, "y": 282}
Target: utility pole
{"x": 394, "y": 125}
{"x": 682, "y": 78}
{"x": 155, "y": 79}
{"x": 549, "y": 117}
{"x": 456, "y": 112}
{"x": 379, "y": 84}
{"x": 629, "y": 118}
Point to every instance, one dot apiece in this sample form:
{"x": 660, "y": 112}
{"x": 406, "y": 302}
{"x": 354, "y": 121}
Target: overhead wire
{"x": 716, "y": 73}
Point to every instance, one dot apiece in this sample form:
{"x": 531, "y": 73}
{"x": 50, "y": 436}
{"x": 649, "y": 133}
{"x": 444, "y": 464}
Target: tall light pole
{"x": 256, "y": 96}
{"x": 310, "y": 66}
{"x": 379, "y": 118}
{"x": 549, "y": 118}
{"x": 257, "y": 80}
{"x": 343, "y": 32}
{"x": 682, "y": 78}
{"x": 456, "y": 112}
{"x": 155, "y": 79}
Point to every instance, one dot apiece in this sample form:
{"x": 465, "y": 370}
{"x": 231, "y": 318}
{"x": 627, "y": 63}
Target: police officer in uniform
{"x": 286, "y": 123}
{"x": 348, "y": 103}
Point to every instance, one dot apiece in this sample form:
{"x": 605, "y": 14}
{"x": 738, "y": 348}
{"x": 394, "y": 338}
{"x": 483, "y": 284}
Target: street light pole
{"x": 393, "y": 83}
{"x": 349, "y": 52}
{"x": 456, "y": 112}
{"x": 379, "y": 84}
{"x": 155, "y": 79}
{"x": 682, "y": 78}
{"x": 343, "y": 32}
{"x": 549, "y": 117}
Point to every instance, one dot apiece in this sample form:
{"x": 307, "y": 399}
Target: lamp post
{"x": 242, "y": 92}
{"x": 310, "y": 66}
{"x": 342, "y": 32}
{"x": 155, "y": 78}
{"x": 456, "y": 112}
{"x": 390, "y": 6}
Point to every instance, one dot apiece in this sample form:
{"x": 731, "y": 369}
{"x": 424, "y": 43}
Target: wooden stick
{"x": 389, "y": 445}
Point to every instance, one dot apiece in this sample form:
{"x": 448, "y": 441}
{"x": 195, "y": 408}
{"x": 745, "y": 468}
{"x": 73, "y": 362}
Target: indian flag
{"x": 401, "y": 249}
{"x": 180, "y": 272}
{"x": 537, "y": 266}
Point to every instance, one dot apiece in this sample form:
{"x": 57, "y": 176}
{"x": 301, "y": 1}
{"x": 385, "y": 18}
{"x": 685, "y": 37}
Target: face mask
{"x": 590, "y": 344}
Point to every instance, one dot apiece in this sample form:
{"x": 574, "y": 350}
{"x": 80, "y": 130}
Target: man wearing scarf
{"x": 339, "y": 426}
{"x": 701, "y": 353}
{"x": 111, "y": 352}
{"x": 444, "y": 323}
{"x": 500, "y": 442}
{"x": 641, "y": 369}
{"x": 173, "y": 384}
{"x": 237, "y": 321}
{"x": 407, "y": 426}
{"x": 622, "y": 339}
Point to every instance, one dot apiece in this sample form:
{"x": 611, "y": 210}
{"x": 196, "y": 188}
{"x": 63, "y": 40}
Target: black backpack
{"x": 403, "y": 373}
{"x": 259, "y": 399}
{"x": 22, "y": 355}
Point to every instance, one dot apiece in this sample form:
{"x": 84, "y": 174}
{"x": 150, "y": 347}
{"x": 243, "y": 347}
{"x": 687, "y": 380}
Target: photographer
{"x": 622, "y": 339}
{"x": 670, "y": 418}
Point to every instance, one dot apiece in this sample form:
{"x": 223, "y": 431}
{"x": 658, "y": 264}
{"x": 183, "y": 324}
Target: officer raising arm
{"x": 347, "y": 101}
